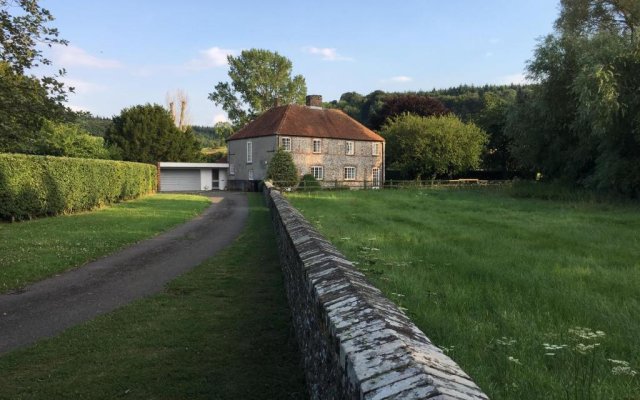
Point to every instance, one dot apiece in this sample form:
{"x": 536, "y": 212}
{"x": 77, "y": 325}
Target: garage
{"x": 178, "y": 176}
{"x": 174, "y": 180}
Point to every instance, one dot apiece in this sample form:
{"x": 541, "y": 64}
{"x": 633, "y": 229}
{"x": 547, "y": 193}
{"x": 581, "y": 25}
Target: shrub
{"x": 32, "y": 186}
{"x": 282, "y": 171}
{"x": 309, "y": 182}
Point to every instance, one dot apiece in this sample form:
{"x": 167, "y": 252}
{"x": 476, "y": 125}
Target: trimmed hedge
{"x": 32, "y": 186}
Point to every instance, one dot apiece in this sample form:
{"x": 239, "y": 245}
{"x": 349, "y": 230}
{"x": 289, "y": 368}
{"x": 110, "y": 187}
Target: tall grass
{"x": 503, "y": 283}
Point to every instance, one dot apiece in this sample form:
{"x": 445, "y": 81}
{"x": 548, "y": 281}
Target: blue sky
{"x": 125, "y": 52}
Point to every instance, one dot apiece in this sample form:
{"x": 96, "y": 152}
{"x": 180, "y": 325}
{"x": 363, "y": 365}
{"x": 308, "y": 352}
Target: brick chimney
{"x": 314, "y": 100}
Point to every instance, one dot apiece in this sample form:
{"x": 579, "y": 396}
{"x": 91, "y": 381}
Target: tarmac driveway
{"x": 46, "y": 308}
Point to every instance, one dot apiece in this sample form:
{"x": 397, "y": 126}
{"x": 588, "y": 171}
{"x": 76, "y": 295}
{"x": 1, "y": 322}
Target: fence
{"x": 389, "y": 184}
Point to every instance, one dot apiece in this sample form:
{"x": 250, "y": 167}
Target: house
{"x": 325, "y": 143}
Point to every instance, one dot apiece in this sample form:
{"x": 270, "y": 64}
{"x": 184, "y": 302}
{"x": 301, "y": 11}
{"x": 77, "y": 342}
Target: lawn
{"x": 221, "y": 331}
{"x": 491, "y": 279}
{"x": 33, "y": 250}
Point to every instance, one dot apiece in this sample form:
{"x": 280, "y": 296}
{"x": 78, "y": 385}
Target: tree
{"x": 282, "y": 171}
{"x": 26, "y": 100}
{"x": 430, "y": 146}
{"x": 60, "y": 139}
{"x": 581, "y": 124}
{"x": 147, "y": 133}
{"x": 260, "y": 79}
{"x": 24, "y": 105}
{"x": 407, "y": 103}
{"x": 178, "y": 103}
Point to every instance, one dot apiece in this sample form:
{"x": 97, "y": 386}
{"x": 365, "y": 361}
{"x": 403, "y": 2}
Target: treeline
{"x": 485, "y": 106}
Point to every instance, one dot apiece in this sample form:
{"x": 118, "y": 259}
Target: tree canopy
{"x": 581, "y": 124}
{"x": 70, "y": 140}
{"x": 411, "y": 103}
{"x": 260, "y": 79}
{"x": 147, "y": 133}
{"x": 282, "y": 170}
{"x": 422, "y": 147}
{"x": 26, "y": 101}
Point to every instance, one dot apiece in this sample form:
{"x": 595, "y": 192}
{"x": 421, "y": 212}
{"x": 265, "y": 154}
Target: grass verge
{"x": 492, "y": 279}
{"x": 221, "y": 331}
{"x": 34, "y": 250}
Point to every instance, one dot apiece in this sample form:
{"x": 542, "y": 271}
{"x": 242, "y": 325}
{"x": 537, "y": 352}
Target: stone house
{"x": 326, "y": 143}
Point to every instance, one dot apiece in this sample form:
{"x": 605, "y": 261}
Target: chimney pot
{"x": 314, "y": 100}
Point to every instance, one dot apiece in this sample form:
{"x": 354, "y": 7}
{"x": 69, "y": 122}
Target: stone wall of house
{"x": 333, "y": 157}
{"x": 355, "y": 343}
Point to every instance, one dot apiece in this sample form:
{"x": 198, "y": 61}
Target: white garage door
{"x": 172, "y": 180}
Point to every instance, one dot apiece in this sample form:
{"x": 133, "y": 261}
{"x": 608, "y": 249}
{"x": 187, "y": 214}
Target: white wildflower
{"x": 514, "y": 360}
{"x": 505, "y": 341}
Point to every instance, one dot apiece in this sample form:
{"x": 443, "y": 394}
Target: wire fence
{"x": 388, "y": 184}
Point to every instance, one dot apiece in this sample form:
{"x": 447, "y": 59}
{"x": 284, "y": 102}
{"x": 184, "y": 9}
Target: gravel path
{"x": 46, "y": 308}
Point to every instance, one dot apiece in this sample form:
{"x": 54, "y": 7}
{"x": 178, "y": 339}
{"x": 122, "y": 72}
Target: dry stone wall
{"x": 355, "y": 343}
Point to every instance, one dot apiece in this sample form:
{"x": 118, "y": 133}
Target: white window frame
{"x": 249, "y": 152}
{"x": 348, "y": 176}
{"x": 232, "y": 169}
{"x": 375, "y": 148}
{"x": 250, "y": 175}
{"x": 318, "y": 172}
{"x": 375, "y": 176}
{"x": 285, "y": 143}
{"x": 313, "y": 146}
{"x": 350, "y": 147}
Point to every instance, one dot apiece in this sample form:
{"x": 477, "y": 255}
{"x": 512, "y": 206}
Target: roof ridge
{"x": 284, "y": 118}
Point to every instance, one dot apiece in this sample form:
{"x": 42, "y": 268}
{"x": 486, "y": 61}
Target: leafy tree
{"x": 26, "y": 100}
{"x": 60, "y": 139}
{"x": 492, "y": 119}
{"x": 260, "y": 79}
{"x": 97, "y": 126}
{"x": 407, "y": 103}
{"x": 24, "y": 104}
{"x": 147, "y": 133}
{"x": 282, "y": 171}
{"x": 582, "y": 122}
{"x": 430, "y": 146}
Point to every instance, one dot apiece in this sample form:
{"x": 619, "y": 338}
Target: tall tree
{"x": 430, "y": 146}
{"x": 260, "y": 79}
{"x": 398, "y": 104}
{"x": 147, "y": 133}
{"x": 26, "y": 100}
{"x": 582, "y": 122}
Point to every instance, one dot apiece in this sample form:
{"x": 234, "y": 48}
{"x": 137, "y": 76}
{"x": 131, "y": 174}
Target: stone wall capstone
{"x": 355, "y": 343}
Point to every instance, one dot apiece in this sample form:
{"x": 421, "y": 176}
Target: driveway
{"x": 46, "y": 308}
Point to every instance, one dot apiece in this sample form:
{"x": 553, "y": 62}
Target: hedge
{"x": 32, "y": 186}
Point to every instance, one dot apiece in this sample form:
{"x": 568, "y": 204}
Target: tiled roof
{"x": 296, "y": 120}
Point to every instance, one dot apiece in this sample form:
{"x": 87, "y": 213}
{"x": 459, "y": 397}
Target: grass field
{"x": 221, "y": 331}
{"x": 33, "y": 250}
{"x": 502, "y": 283}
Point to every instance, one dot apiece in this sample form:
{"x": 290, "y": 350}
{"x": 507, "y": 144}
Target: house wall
{"x": 333, "y": 158}
{"x": 263, "y": 149}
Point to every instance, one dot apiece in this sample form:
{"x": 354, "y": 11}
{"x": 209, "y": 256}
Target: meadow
{"x": 535, "y": 299}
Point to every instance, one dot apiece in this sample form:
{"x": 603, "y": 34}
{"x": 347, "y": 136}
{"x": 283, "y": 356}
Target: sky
{"x": 122, "y": 52}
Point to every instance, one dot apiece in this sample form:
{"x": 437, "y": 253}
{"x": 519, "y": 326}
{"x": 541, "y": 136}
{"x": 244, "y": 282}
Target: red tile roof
{"x": 296, "y": 120}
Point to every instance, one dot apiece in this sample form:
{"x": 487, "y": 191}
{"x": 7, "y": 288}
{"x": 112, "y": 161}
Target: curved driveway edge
{"x": 46, "y": 308}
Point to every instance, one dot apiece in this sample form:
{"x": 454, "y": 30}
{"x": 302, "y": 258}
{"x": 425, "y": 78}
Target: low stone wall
{"x": 355, "y": 343}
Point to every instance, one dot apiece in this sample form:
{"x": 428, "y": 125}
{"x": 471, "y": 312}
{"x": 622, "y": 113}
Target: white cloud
{"x": 220, "y": 118}
{"x": 327, "y": 53}
{"x": 210, "y": 58}
{"x": 83, "y": 87}
{"x": 518, "y": 79}
{"x": 69, "y": 56}
{"x": 401, "y": 79}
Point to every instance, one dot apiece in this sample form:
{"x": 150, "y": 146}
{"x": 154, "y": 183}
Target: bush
{"x": 282, "y": 171}
{"x": 309, "y": 182}
{"x": 32, "y": 186}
